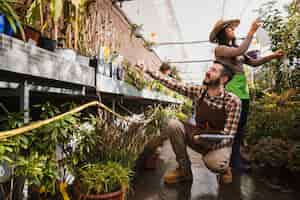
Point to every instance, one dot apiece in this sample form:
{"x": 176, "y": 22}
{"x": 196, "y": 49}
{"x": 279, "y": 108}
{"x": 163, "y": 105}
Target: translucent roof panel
{"x": 184, "y": 21}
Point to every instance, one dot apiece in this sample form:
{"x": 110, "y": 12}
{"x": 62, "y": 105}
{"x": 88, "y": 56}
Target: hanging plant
{"x": 149, "y": 45}
{"x": 136, "y": 30}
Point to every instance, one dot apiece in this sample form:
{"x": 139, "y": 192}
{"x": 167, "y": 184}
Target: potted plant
{"x": 73, "y": 17}
{"x": 56, "y": 10}
{"x": 157, "y": 119}
{"x": 134, "y": 76}
{"x": 136, "y": 30}
{"x": 149, "y": 45}
{"x": 9, "y": 20}
{"x": 103, "y": 181}
{"x": 151, "y": 153}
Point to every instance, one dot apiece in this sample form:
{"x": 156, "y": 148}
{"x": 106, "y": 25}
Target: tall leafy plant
{"x": 35, "y": 15}
{"x": 284, "y": 32}
{"x": 56, "y": 10}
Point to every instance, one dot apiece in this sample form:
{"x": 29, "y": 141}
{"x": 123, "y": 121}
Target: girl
{"x": 230, "y": 54}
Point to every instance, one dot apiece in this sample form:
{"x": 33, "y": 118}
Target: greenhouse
{"x": 149, "y": 100}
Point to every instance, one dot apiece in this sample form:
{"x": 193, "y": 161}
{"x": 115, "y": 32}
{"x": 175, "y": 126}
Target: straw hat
{"x": 219, "y": 26}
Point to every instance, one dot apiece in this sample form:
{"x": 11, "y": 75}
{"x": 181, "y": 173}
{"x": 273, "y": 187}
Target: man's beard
{"x": 212, "y": 83}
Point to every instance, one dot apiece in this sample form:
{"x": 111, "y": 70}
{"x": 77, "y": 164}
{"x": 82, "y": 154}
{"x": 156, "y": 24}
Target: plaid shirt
{"x": 231, "y": 102}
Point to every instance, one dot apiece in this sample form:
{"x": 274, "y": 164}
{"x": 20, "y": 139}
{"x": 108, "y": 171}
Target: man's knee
{"x": 218, "y": 160}
{"x": 173, "y": 126}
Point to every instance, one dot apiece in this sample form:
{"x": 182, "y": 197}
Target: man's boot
{"x": 178, "y": 175}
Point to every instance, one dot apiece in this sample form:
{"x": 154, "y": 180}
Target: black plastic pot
{"x": 47, "y": 43}
{"x": 120, "y": 73}
{"x": 94, "y": 62}
{"x": 108, "y": 69}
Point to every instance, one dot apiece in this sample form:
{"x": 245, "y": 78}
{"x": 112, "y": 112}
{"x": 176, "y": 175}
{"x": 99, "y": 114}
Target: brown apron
{"x": 207, "y": 118}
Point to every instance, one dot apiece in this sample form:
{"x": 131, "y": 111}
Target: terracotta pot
{"x": 30, "y": 34}
{"x": 110, "y": 196}
{"x": 118, "y": 195}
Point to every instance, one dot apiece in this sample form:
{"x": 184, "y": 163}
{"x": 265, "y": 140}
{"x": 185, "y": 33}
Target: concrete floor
{"x": 149, "y": 184}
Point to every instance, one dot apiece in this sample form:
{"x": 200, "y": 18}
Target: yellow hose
{"x": 38, "y": 124}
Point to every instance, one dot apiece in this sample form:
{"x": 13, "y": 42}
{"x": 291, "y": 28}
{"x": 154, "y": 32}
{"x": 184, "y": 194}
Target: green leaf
{"x": 56, "y": 9}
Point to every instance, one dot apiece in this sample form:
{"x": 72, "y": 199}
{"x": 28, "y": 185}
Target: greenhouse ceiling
{"x": 191, "y": 20}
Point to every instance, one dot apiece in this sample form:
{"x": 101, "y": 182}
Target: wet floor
{"x": 149, "y": 184}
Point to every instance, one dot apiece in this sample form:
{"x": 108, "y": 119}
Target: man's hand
{"x": 278, "y": 54}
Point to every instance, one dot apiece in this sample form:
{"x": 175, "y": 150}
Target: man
{"x": 217, "y": 111}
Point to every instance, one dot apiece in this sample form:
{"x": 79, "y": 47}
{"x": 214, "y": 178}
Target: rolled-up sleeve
{"x": 233, "y": 108}
{"x": 188, "y": 90}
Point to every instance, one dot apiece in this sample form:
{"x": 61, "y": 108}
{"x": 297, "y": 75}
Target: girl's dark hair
{"x": 222, "y": 38}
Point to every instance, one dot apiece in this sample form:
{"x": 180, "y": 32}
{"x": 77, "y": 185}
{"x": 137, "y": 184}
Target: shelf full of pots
{"x": 27, "y": 58}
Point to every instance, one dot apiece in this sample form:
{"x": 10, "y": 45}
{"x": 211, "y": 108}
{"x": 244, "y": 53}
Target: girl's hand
{"x": 255, "y": 25}
{"x": 279, "y": 53}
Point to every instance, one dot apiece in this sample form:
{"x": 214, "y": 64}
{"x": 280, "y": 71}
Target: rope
{"x": 223, "y": 8}
{"x": 35, "y": 125}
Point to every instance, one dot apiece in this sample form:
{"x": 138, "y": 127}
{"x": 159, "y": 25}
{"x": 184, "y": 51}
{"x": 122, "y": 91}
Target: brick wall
{"x": 107, "y": 25}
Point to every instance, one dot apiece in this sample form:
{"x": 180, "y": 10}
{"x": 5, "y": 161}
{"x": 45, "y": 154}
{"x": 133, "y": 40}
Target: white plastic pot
{"x": 68, "y": 54}
{"x": 83, "y": 60}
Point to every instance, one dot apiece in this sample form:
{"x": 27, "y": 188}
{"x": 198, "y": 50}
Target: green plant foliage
{"x": 135, "y": 30}
{"x": 134, "y": 76}
{"x": 273, "y": 116}
{"x": 11, "y": 147}
{"x": 33, "y": 154}
{"x": 157, "y": 86}
{"x": 273, "y": 130}
{"x": 12, "y": 17}
{"x": 56, "y": 8}
{"x": 104, "y": 177}
{"x": 34, "y": 14}
{"x": 271, "y": 152}
{"x": 86, "y": 141}
{"x": 175, "y": 74}
{"x": 284, "y": 32}
{"x": 39, "y": 171}
{"x": 149, "y": 45}
{"x": 157, "y": 119}
{"x": 56, "y": 133}
{"x": 116, "y": 144}
{"x": 294, "y": 158}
